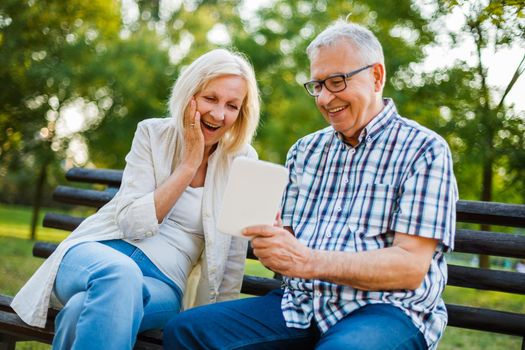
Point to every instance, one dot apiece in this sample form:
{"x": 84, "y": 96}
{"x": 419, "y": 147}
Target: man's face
{"x": 350, "y": 110}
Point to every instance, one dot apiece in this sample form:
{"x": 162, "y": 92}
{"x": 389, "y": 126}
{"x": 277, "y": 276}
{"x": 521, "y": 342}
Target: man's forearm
{"x": 402, "y": 266}
{"x": 382, "y": 269}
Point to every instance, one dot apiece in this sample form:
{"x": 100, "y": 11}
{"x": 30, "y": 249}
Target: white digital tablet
{"x": 252, "y": 195}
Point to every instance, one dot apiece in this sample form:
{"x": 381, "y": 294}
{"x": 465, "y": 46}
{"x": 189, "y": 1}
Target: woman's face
{"x": 219, "y": 104}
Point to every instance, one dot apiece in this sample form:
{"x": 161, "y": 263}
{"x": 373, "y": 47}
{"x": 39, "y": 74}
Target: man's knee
{"x": 378, "y": 326}
{"x": 185, "y": 331}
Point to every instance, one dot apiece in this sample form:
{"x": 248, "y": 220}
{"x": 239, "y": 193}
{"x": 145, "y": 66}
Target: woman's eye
{"x": 233, "y": 107}
{"x": 209, "y": 98}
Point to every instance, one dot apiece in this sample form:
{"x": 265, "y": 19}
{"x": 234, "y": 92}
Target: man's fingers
{"x": 259, "y": 230}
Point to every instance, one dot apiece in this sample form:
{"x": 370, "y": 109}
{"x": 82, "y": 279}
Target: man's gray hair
{"x": 363, "y": 40}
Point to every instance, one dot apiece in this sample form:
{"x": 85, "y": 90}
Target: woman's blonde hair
{"x": 213, "y": 64}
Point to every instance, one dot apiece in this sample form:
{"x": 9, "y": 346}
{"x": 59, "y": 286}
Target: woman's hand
{"x": 193, "y": 153}
{"x": 167, "y": 194}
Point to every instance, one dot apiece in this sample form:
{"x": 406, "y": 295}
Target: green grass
{"x": 15, "y": 221}
{"x": 17, "y": 264}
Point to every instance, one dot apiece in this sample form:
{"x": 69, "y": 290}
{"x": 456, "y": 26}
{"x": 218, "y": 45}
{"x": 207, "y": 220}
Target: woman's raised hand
{"x": 193, "y": 138}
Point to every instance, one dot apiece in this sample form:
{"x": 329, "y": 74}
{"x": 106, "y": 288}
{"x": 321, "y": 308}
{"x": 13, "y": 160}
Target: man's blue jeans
{"x": 110, "y": 291}
{"x": 257, "y": 323}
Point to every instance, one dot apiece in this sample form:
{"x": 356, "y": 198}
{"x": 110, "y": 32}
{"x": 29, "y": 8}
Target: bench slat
{"x": 11, "y": 324}
{"x": 491, "y": 213}
{"x": 486, "y": 320}
{"x": 108, "y": 177}
{"x": 503, "y": 281}
{"x": 43, "y": 249}
{"x": 79, "y": 196}
{"x": 61, "y": 221}
{"x": 467, "y": 241}
{"x": 258, "y": 285}
{"x": 485, "y": 279}
{"x": 490, "y": 243}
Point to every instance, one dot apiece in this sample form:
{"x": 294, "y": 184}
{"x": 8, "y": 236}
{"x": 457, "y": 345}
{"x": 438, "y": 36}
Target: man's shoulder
{"x": 411, "y": 131}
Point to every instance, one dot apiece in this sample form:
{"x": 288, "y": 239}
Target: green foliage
{"x": 117, "y": 70}
{"x": 44, "y": 47}
{"x": 486, "y": 135}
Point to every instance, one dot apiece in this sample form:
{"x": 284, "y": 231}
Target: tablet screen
{"x": 252, "y": 195}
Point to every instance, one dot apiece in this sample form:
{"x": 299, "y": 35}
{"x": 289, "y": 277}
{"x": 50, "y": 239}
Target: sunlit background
{"x": 77, "y": 77}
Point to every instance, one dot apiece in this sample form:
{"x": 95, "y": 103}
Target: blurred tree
{"x": 81, "y": 75}
{"x": 486, "y": 134}
{"x": 43, "y": 48}
{"x": 275, "y": 38}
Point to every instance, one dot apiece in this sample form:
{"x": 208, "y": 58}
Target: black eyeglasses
{"x": 334, "y": 83}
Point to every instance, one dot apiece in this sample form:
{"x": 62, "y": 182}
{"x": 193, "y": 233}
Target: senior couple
{"x": 367, "y": 215}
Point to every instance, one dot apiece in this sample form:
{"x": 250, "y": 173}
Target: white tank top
{"x": 179, "y": 243}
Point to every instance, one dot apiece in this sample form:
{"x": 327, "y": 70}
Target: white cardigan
{"x": 131, "y": 214}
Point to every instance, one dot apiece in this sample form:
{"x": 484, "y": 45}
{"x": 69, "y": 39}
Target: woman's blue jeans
{"x": 257, "y": 324}
{"x": 110, "y": 291}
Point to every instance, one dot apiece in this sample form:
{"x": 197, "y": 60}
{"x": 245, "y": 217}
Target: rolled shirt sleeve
{"x": 427, "y": 198}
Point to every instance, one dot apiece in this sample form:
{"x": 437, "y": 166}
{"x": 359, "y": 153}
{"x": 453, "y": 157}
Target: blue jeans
{"x": 258, "y": 323}
{"x": 110, "y": 291}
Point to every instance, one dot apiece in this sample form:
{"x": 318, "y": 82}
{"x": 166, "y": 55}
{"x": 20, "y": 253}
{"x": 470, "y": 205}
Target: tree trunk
{"x": 37, "y": 201}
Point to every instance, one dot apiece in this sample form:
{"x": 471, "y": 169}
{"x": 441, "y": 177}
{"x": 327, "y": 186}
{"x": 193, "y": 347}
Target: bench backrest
{"x": 467, "y": 241}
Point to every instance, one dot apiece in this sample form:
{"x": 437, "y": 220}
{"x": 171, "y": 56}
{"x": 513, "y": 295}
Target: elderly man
{"x": 368, "y": 214}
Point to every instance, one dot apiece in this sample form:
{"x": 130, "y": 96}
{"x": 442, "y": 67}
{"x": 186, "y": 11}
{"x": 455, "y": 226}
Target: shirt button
{"x": 345, "y": 181}
{"x": 338, "y": 208}
{"x": 328, "y": 235}
{"x": 318, "y": 294}
{"x": 368, "y": 139}
{"x": 352, "y": 151}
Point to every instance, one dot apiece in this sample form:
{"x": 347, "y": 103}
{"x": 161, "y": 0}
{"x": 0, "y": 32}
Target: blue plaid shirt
{"x": 399, "y": 178}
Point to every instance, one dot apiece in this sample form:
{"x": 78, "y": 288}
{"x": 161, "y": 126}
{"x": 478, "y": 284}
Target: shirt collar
{"x": 374, "y": 128}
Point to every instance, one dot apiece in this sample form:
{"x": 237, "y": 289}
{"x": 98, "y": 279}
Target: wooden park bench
{"x": 12, "y": 329}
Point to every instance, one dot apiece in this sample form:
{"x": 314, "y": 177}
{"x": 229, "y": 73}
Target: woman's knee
{"x": 70, "y": 313}
{"x": 123, "y": 269}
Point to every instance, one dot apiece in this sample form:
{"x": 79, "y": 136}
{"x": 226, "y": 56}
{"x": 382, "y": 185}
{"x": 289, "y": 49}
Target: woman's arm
{"x": 167, "y": 194}
{"x": 141, "y": 205}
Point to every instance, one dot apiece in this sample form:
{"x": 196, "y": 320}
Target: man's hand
{"x": 280, "y": 251}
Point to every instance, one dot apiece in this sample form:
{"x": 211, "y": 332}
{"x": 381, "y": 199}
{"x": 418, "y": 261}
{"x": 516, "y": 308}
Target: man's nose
{"x": 324, "y": 96}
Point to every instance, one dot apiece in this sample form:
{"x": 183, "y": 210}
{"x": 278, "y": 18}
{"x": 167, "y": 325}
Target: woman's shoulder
{"x": 159, "y": 129}
{"x": 155, "y": 124}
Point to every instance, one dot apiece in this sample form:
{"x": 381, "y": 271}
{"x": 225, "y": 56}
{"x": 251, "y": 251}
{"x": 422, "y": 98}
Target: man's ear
{"x": 378, "y": 71}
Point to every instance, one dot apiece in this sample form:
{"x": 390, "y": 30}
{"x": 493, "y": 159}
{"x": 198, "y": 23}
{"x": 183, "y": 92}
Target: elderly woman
{"x": 126, "y": 268}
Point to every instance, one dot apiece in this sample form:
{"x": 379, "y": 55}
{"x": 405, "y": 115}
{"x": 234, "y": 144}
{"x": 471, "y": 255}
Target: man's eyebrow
{"x": 328, "y": 76}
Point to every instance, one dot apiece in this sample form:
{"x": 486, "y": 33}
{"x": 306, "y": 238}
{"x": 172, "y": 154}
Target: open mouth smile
{"x": 210, "y": 126}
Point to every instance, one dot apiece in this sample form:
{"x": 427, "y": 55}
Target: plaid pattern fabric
{"x": 399, "y": 178}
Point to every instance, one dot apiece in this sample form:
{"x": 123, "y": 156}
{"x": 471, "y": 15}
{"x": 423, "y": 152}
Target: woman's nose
{"x": 217, "y": 113}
